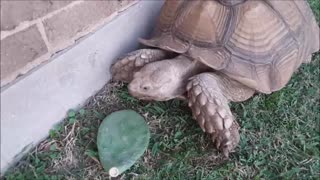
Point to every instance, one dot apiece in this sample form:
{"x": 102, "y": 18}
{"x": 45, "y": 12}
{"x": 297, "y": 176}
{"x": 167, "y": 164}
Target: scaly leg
{"x": 127, "y": 65}
{"x": 208, "y": 96}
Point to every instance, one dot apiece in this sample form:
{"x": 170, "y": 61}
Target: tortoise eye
{"x": 145, "y": 87}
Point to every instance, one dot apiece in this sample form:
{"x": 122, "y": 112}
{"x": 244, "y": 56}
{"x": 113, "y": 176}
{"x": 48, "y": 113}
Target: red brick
{"x": 65, "y": 25}
{"x": 21, "y": 48}
{"x": 15, "y": 12}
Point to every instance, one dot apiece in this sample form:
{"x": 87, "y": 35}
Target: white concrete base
{"x": 33, "y": 105}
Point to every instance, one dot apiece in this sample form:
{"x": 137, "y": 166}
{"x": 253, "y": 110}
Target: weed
{"x": 280, "y": 137}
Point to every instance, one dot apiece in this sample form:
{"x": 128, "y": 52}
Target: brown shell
{"x": 259, "y": 43}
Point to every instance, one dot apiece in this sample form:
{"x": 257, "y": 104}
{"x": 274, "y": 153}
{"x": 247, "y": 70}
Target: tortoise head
{"x": 158, "y": 81}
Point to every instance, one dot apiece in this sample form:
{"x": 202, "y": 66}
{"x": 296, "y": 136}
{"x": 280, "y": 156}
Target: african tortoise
{"x": 215, "y": 51}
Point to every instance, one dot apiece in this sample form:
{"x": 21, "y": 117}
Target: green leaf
{"x": 53, "y": 147}
{"x": 71, "y": 113}
{"x": 53, "y": 155}
{"x": 82, "y": 112}
{"x": 178, "y": 135}
{"x": 72, "y": 120}
{"x": 52, "y": 133}
{"x": 155, "y": 149}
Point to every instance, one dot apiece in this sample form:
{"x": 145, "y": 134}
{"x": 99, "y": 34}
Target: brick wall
{"x": 33, "y": 31}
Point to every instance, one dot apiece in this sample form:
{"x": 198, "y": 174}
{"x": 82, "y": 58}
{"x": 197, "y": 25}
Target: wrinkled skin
{"x": 163, "y": 80}
{"x": 207, "y": 92}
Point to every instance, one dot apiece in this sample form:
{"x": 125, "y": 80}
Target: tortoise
{"x": 211, "y": 52}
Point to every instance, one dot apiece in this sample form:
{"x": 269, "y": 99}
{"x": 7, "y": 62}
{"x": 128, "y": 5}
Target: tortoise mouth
{"x": 148, "y": 98}
{"x": 145, "y": 97}
{"x": 139, "y": 95}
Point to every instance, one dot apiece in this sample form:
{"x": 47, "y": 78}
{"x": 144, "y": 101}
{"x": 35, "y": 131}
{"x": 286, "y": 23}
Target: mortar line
{"x": 90, "y": 29}
{"x": 25, "y": 24}
{"x": 44, "y": 58}
{"x": 44, "y": 35}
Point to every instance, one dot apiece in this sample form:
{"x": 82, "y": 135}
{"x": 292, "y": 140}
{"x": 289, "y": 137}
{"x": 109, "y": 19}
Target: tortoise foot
{"x": 210, "y": 108}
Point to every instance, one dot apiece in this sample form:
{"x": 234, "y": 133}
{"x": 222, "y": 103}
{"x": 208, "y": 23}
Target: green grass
{"x": 280, "y": 137}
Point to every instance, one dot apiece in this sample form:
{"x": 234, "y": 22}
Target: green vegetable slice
{"x": 123, "y": 137}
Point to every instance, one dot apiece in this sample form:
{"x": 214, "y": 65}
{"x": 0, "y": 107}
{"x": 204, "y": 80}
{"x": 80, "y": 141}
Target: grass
{"x": 280, "y": 137}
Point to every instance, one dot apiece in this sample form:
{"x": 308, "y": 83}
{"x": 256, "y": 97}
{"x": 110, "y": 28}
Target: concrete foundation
{"x": 33, "y": 104}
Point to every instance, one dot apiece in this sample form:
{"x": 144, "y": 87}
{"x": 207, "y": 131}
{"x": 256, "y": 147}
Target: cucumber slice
{"x": 123, "y": 137}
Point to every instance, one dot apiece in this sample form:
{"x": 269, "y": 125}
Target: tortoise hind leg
{"x": 126, "y": 66}
{"x": 208, "y": 96}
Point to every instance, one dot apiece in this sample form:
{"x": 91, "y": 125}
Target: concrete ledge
{"x": 31, "y": 106}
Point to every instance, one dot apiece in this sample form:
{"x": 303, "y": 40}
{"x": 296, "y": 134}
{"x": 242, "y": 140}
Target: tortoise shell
{"x": 258, "y": 43}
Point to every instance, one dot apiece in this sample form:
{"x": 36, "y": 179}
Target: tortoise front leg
{"x": 126, "y": 66}
{"x": 208, "y": 96}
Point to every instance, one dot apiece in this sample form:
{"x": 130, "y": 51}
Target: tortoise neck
{"x": 186, "y": 67}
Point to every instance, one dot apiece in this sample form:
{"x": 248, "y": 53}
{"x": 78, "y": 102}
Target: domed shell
{"x": 258, "y": 43}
